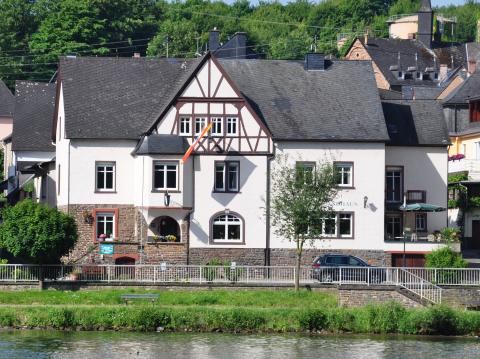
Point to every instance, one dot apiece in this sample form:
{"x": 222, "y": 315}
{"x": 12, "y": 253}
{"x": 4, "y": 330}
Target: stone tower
{"x": 425, "y": 23}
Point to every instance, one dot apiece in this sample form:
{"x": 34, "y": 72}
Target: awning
{"x": 422, "y": 207}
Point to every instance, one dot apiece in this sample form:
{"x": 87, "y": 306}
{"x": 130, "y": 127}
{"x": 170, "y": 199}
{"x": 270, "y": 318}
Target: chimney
{"x": 136, "y": 55}
{"x": 314, "y": 62}
{"x": 472, "y": 66}
{"x": 366, "y": 37}
{"x": 214, "y": 39}
{"x": 443, "y": 72}
{"x": 425, "y": 23}
{"x": 240, "y": 43}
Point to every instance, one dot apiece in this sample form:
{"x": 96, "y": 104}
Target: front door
{"x": 475, "y": 241}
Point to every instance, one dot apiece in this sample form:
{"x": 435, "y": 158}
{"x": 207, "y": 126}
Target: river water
{"x": 86, "y": 345}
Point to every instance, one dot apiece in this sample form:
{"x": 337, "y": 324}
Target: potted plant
{"x": 171, "y": 238}
{"x": 102, "y": 237}
{"x": 109, "y": 238}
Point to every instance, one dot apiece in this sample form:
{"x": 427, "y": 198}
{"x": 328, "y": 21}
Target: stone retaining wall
{"x": 283, "y": 256}
{"x": 360, "y": 296}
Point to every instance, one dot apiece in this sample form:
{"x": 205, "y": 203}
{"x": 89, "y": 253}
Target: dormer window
{"x": 475, "y": 111}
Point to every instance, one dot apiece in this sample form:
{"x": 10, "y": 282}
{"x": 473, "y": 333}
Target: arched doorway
{"x": 125, "y": 271}
{"x": 125, "y": 261}
{"x": 166, "y": 229}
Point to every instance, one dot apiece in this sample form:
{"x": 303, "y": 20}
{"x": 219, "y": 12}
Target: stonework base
{"x": 242, "y": 256}
{"x": 284, "y": 256}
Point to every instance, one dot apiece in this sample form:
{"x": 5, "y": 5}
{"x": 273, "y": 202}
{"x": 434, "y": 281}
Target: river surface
{"x": 86, "y": 345}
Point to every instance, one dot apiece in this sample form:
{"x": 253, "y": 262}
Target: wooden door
{"x": 411, "y": 260}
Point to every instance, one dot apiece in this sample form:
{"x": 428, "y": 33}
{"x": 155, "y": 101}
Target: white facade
{"x": 195, "y": 201}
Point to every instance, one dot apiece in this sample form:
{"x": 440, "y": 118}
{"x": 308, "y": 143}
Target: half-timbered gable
{"x": 212, "y": 97}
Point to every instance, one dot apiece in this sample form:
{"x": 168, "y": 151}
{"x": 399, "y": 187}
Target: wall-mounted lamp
{"x": 166, "y": 199}
{"x": 365, "y": 200}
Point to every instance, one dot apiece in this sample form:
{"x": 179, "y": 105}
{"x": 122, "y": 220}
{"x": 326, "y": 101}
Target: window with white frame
{"x": 105, "y": 176}
{"x": 105, "y": 225}
{"x": 217, "y": 126}
{"x": 232, "y": 126}
{"x": 227, "y": 228}
{"x": 344, "y": 172}
{"x": 421, "y": 222}
{"x": 200, "y": 123}
{"x": 185, "y": 126}
{"x": 345, "y": 225}
{"x": 165, "y": 176}
{"x": 227, "y": 176}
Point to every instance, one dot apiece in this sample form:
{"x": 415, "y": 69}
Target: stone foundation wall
{"x": 284, "y": 256}
{"x": 461, "y": 297}
{"x": 242, "y": 256}
{"x": 361, "y": 296}
{"x": 171, "y": 253}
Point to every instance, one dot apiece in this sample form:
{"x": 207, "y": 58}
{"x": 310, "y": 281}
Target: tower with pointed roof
{"x": 425, "y": 23}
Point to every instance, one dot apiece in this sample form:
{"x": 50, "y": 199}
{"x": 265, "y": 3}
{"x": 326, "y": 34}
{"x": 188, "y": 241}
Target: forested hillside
{"x": 34, "y": 33}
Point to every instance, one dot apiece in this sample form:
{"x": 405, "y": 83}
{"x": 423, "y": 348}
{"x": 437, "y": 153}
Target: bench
{"x": 127, "y": 297}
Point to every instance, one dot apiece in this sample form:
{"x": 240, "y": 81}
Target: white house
{"x": 122, "y": 126}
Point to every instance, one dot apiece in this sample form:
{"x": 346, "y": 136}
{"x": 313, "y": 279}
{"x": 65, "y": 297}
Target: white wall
{"x": 248, "y": 202}
{"x": 84, "y": 154}
{"x": 425, "y": 168}
{"x": 369, "y": 180}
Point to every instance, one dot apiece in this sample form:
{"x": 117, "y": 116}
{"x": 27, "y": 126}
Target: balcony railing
{"x": 464, "y": 165}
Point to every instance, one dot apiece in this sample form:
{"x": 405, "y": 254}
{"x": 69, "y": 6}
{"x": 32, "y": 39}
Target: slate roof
{"x": 118, "y": 97}
{"x": 384, "y": 52}
{"x": 338, "y": 104}
{"x": 7, "y": 101}
{"x": 162, "y": 144}
{"x": 412, "y": 123}
{"x": 469, "y": 89}
{"x": 33, "y": 117}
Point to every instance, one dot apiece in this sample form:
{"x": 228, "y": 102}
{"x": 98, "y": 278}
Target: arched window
{"x": 227, "y": 228}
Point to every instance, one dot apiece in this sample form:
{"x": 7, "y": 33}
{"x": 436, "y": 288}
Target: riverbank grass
{"x": 224, "y": 298}
{"x": 226, "y": 311}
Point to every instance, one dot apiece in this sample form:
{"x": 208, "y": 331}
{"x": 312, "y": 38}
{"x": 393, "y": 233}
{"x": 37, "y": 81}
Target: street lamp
{"x": 166, "y": 199}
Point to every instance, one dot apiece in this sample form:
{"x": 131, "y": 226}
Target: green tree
{"x": 301, "y": 200}
{"x": 36, "y": 233}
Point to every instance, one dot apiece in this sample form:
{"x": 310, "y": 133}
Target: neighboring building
{"x": 122, "y": 126}
{"x": 410, "y": 60}
{"x": 33, "y": 152}
{"x": 7, "y": 104}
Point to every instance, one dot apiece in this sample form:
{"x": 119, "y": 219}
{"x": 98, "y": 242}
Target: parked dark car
{"x": 326, "y": 269}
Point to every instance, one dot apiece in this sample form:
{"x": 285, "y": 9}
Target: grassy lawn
{"x": 224, "y": 298}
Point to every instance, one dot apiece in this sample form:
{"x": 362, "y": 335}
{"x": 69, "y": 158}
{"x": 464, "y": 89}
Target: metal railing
{"x": 419, "y": 286}
{"x": 424, "y": 282}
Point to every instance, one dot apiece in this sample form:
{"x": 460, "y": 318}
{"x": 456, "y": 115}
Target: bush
{"x": 385, "y": 318}
{"x": 36, "y": 233}
{"x": 313, "y": 320}
{"x": 445, "y": 258}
